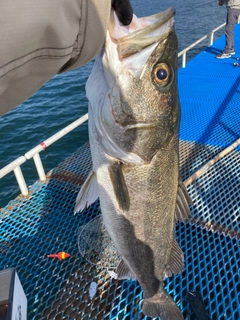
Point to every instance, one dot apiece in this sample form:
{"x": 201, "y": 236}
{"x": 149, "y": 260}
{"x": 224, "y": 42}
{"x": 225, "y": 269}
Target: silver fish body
{"x": 134, "y": 116}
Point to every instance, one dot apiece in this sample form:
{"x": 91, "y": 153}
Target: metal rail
{"x": 210, "y": 35}
{"x": 34, "y": 153}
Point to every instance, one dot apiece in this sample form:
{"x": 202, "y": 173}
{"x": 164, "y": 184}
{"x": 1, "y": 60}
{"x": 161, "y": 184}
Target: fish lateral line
{"x": 137, "y": 126}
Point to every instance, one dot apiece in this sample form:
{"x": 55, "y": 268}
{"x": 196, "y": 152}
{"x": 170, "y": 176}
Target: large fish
{"x": 134, "y": 119}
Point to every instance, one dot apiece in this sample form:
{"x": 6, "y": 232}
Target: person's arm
{"x": 42, "y": 38}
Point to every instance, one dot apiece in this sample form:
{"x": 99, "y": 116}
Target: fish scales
{"x": 152, "y": 189}
{"x": 134, "y": 116}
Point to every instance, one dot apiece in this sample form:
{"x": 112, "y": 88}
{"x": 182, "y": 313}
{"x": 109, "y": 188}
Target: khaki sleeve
{"x": 39, "y": 39}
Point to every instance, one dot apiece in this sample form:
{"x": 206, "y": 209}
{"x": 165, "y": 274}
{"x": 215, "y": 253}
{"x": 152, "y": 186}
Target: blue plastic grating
{"x": 216, "y": 195}
{"x": 211, "y": 267}
{"x": 198, "y": 243}
{"x": 44, "y": 223}
{"x": 209, "y": 91}
{"x": 210, "y": 122}
{"x": 210, "y": 68}
{"x": 194, "y": 155}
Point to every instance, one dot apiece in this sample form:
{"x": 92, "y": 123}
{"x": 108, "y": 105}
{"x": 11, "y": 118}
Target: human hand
{"x": 220, "y": 2}
{"x": 123, "y": 10}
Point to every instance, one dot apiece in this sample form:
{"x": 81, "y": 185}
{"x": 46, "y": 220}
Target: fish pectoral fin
{"x": 88, "y": 193}
{"x": 119, "y": 186}
{"x": 182, "y": 212}
{"x": 123, "y": 272}
{"x": 176, "y": 261}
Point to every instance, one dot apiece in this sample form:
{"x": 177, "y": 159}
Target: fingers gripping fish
{"x": 134, "y": 119}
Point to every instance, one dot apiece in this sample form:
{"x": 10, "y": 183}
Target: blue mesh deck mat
{"x": 219, "y": 126}
{"x": 43, "y": 223}
{"x": 209, "y": 91}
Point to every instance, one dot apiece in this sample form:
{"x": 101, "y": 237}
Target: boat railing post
{"x": 184, "y": 59}
{"x": 211, "y": 38}
{"x": 39, "y": 167}
{"x": 21, "y": 181}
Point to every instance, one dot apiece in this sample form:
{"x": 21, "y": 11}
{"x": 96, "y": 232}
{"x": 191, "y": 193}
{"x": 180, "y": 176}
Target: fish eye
{"x": 162, "y": 74}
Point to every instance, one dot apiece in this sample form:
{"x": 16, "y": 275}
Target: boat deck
{"x": 44, "y": 223}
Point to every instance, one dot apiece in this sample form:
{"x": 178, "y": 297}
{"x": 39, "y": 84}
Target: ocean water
{"x": 62, "y": 100}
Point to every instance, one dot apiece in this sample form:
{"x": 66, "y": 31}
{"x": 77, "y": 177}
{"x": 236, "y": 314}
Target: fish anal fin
{"x": 123, "y": 272}
{"x": 182, "y": 212}
{"x": 88, "y": 193}
{"x": 176, "y": 261}
{"x": 119, "y": 186}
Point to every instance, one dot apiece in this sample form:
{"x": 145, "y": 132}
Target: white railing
{"x": 210, "y": 35}
{"x": 34, "y": 153}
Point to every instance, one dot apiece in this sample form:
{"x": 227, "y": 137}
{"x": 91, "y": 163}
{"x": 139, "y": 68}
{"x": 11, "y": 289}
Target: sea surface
{"x": 62, "y": 100}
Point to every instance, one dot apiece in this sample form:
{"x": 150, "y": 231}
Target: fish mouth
{"x": 153, "y": 29}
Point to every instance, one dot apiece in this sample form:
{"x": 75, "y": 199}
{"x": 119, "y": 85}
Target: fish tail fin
{"x": 161, "y": 305}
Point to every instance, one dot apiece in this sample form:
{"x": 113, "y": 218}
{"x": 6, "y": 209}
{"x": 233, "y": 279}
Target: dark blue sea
{"x": 62, "y": 100}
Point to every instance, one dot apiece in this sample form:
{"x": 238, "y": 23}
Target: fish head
{"x": 133, "y": 88}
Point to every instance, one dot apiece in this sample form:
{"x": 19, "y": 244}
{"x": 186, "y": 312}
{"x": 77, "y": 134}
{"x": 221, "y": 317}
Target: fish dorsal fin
{"x": 176, "y": 261}
{"x": 87, "y": 194}
{"x": 119, "y": 186}
{"x": 123, "y": 272}
{"x": 182, "y": 212}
